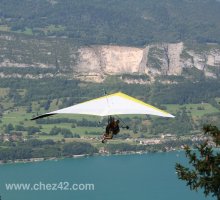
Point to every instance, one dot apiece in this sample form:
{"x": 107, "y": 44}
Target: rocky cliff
{"x": 96, "y": 62}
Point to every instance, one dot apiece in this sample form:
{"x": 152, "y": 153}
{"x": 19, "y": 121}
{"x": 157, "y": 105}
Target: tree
{"x": 29, "y": 108}
{"x": 1, "y": 110}
{"x": 78, "y": 148}
{"x": 204, "y": 172}
{"x": 9, "y": 128}
{"x": 32, "y": 130}
{"x": 47, "y": 104}
{"x": 55, "y": 131}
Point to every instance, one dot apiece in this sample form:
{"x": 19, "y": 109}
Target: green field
{"x": 4, "y": 28}
{"x": 3, "y": 92}
{"x": 17, "y": 109}
{"x": 196, "y": 110}
{"x": 19, "y": 116}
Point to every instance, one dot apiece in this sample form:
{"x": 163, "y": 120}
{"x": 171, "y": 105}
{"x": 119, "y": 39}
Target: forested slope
{"x": 128, "y": 22}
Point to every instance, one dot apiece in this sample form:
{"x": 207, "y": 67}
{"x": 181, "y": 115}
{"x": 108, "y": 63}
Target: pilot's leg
{"x": 107, "y": 136}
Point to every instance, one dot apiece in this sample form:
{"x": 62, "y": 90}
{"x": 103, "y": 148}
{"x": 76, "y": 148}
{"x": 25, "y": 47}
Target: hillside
{"x": 124, "y": 23}
{"x": 32, "y": 57}
{"x": 90, "y": 40}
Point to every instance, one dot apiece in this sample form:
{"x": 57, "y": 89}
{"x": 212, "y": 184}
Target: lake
{"x": 149, "y": 176}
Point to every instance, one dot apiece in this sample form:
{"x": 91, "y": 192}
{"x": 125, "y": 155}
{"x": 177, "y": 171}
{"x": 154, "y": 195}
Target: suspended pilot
{"x": 111, "y": 129}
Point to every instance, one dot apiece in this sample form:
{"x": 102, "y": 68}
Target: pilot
{"x": 111, "y": 129}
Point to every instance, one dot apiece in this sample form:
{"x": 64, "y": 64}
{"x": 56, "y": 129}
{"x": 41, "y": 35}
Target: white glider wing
{"x": 114, "y": 104}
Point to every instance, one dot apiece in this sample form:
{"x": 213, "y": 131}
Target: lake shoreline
{"x": 32, "y": 160}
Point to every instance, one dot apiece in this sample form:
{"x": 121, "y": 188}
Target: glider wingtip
{"x": 42, "y": 116}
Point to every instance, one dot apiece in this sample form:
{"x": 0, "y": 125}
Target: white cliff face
{"x": 109, "y": 59}
{"x": 174, "y": 52}
{"x": 207, "y": 61}
{"x": 121, "y": 59}
{"x": 88, "y": 61}
{"x": 96, "y": 62}
{"x": 164, "y": 59}
{"x": 154, "y": 60}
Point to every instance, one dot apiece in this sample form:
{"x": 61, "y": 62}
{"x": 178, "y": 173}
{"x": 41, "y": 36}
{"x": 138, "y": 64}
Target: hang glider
{"x": 114, "y": 104}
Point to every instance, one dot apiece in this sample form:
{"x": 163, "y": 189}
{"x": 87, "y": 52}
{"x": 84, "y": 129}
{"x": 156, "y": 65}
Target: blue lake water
{"x": 148, "y": 176}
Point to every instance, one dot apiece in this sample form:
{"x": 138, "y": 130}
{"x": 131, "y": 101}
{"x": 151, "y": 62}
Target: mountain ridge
{"x": 96, "y": 62}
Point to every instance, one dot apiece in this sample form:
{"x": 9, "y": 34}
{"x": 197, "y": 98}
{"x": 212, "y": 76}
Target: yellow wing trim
{"x": 120, "y": 94}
